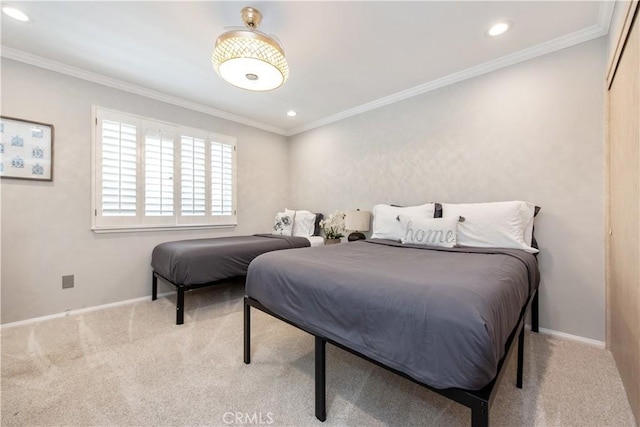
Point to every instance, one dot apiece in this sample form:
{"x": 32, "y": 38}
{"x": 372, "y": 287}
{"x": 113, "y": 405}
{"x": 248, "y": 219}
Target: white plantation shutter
{"x": 156, "y": 175}
{"x": 119, "y": 168}
{"x": 222, "y": 166}
{"x": 193, "y": 176}
{"x": 158, "y": 172}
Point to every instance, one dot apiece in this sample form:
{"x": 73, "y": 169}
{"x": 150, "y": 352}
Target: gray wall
{"x": 533, "y": 131}
{"x": 46, "y": 226}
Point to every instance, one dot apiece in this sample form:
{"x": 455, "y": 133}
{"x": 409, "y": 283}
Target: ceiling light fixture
{"x": 499, "y": 28}
{"x": 248, "y": 58}
{"x": 291, "y": 113}
{"x": 15, "y": 13}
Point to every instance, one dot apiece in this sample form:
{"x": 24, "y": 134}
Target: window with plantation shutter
{"x": 193, "y": 176}
{"x": 155, "y": 175}
{"x": 116, "y": 170}
{"x": 119, "y": 147}
{"x": 158, "y": 173}
{"x": 222, "y": 178}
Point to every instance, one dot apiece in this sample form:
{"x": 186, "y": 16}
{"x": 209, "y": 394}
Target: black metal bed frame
{"x": 181, "y": 289}
{"x": 479, "y": 401}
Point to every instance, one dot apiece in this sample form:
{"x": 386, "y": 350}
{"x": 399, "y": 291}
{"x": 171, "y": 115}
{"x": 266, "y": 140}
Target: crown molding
{"x": 605, "y": 14}
{"x": 58, "y": 67}
{"x": 598, "y": 30}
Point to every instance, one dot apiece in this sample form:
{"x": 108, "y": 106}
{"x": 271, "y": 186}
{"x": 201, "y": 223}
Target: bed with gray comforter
{"x": 440, "y": 316}
{"x": 195, "y": 263}
{"x": 199, "y": 261}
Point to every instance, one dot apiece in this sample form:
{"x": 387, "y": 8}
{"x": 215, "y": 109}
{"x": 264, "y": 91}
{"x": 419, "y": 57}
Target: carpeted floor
{"x": 131, "y": 365}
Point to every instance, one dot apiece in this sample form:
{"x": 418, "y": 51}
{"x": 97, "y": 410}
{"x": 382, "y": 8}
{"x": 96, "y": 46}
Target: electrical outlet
{"x": 67, "y": 281}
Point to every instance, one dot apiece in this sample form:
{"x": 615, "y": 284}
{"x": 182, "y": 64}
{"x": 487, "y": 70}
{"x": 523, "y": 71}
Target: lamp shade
{"x": 357, "y": 220}
{"x": 250, "y": 59}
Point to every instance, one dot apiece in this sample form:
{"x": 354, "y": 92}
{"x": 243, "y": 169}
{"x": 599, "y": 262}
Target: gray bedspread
{"x": 200, "y": 261}
{"x": 442, "y": 316}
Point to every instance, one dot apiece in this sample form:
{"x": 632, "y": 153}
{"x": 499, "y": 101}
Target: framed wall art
{"x": 26, "y": 149}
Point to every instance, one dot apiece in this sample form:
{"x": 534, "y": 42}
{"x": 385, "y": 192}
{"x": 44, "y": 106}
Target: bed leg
{"x": 534, "y": 312}
{"x": 154, "y": 287}
{"x": 180, "y": 305}
{"x": 480, "y": 415}
{"x": 247, "y": 332}
{"x": 321, "y": 411}
{"x": 520, "y": 358}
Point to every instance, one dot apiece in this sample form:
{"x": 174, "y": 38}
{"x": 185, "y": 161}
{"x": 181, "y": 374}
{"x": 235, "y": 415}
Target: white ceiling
{"x": 344, "y": 57}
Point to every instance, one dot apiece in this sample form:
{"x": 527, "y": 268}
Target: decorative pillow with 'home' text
{"x": 442, "y": 232}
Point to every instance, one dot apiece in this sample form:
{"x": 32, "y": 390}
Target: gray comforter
{"x": 200, "y": 261}
{"x": 442, "y": 316}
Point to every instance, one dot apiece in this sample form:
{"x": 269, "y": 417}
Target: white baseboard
{"x": 563, "y": 335}
{"x": 80, "y": 311}
{"x": 589, "y": 341}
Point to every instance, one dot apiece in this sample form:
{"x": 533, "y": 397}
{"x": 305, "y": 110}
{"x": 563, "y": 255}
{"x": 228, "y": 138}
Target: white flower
{"x": 334, "y": 225}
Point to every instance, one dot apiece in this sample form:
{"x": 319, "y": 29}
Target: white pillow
{"x": 440, "y": 232}
{"x": 493, "y": 225}
{"x": 385, "y": 219}
{"x": 304, "y": 223}
{"x": 284, "y": 223}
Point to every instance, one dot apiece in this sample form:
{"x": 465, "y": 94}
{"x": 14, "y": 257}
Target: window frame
{"x": 141, "y": 222}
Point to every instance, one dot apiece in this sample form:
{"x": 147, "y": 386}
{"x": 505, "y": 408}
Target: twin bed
{"x": 446, "y": 318}
{"x": 196, "y": 263}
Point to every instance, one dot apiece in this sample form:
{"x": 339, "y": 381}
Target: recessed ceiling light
{"x": 499, "y": 28}
{"x": 15, "y": 13}
{"x": 291, "y": 113}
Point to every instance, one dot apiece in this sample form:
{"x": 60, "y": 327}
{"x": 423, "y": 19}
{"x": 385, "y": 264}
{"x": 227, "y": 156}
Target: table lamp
{"x": 357, "y": 221}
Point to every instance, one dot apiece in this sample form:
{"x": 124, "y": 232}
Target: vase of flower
{"x": 333, "y": 228}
